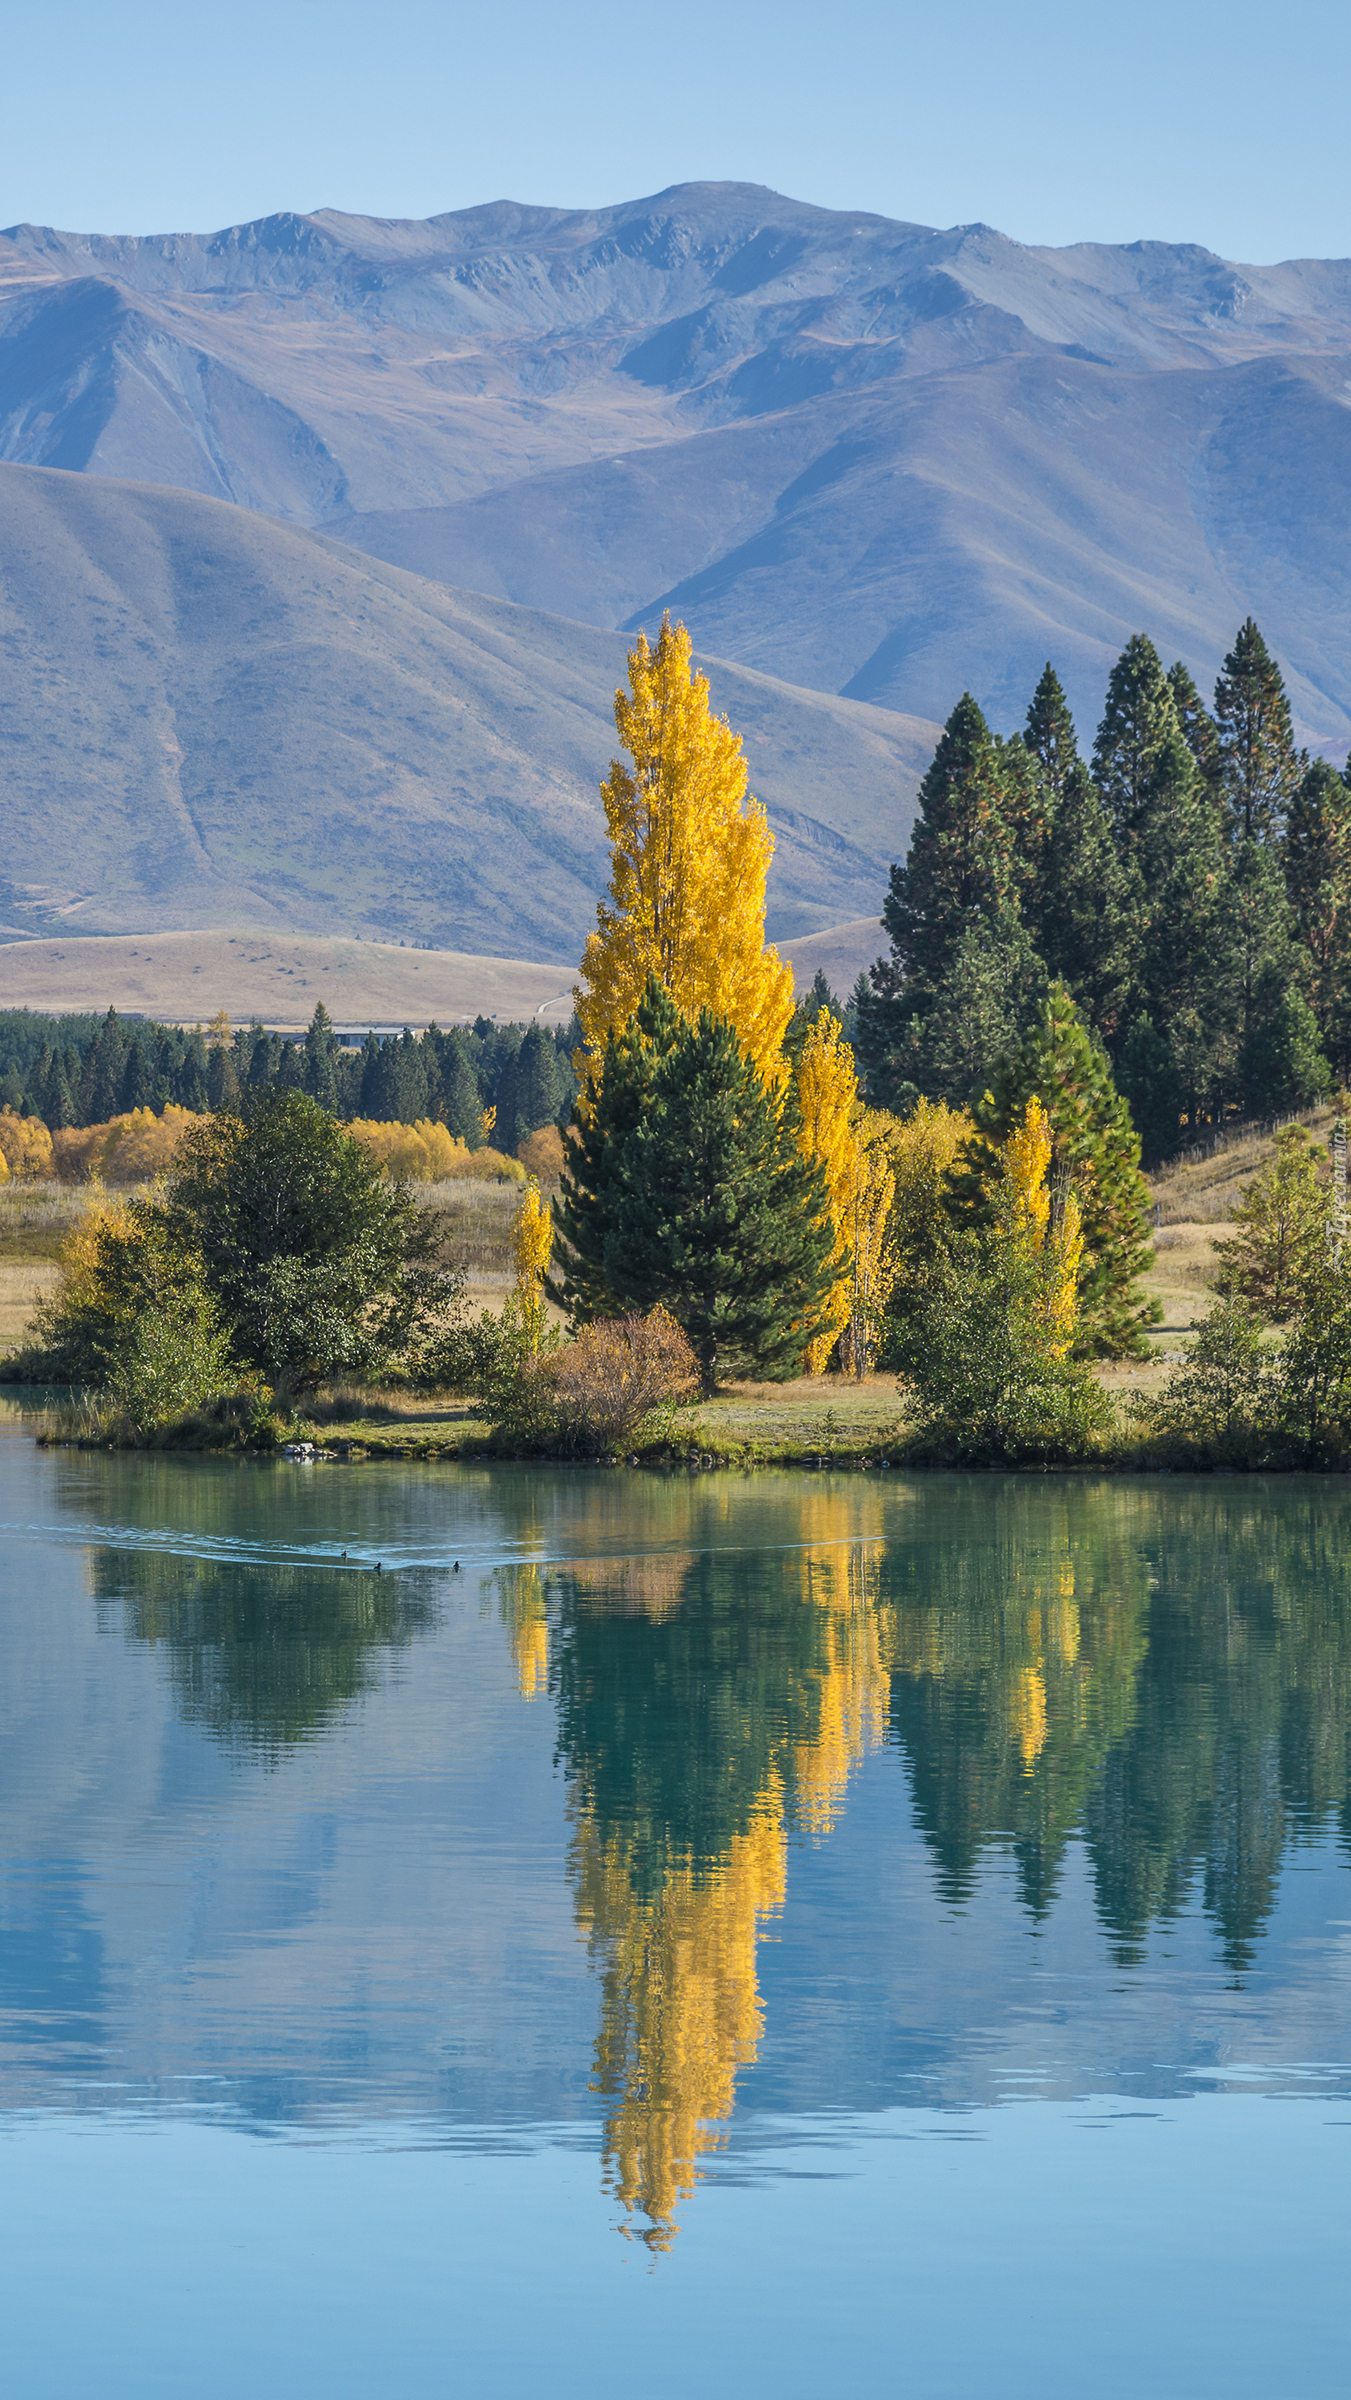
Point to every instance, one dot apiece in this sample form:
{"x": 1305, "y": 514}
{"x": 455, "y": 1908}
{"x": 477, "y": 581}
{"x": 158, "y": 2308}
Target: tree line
{"x": 84, "y": 1070}
{"x": 1189, "y": 885}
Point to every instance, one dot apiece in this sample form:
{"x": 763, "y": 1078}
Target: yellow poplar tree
{"x": 871, "y": 1241}
{"x": 532, "y": 1238}
{"x": 689, "y": 857}
{"x": 827, "y": 1093}
{"x": 1026, "y": 1161}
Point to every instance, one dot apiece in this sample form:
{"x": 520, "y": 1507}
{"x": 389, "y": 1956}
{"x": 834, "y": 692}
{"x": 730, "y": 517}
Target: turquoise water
{"x": 772, "y": 1933}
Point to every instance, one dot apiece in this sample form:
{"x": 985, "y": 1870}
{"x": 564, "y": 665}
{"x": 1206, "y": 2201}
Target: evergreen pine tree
{"x": 952, "y": 915}
{"x": 101, "y": 1082}
{"x": 291, "y": 1067}
{"x": 191, "y": 1079}
{"x": 264, "y": 1058}
{"x": 1187, "y": 971}
{"x": 994, "y": 985}
{"x": 138, "y": 1079}
{"x": 321, "y": 1081}
{"x": 961, "y": 852}
{"x": 721, "y": 1218}
{"x": 1283, "y": 1066}
{"x": 1280, "y": 1063}
{"x": 1050, "y": 736}
{"x": 595, "y": 1148}
{"x": 461, "y": 1100}
{"x": 1088, "y": 908}
{"x": 1150, "y": 1082}
{"x": 536, "y": 1090}
{"x": 1260, "y": 766}
{"x": 222, "y": 1081}
{"x": 1096, "y": 1149}
{"x": 1318, "y": 880}
{"x": 1139, "y": 721}
{"x": 372, "y": 1077}
{"x": 1199, "y": 730}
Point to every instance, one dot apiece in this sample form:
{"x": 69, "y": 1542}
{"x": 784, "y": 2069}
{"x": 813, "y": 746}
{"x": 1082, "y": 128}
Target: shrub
{"x": 619, "y": 1375}
{"x": 25, "y": 1147}
{"x": 174, "y": 1360}
{"x": 988, "y": 1346}
{"x": 128, "y": 1149}
{"x": 541, "y": 1154}
{"x": 1222, "y": 1398}
{"x": 319, "y": 1265}
{"x": 133, "y": 1318}
{"x": 426, "y": 1152}
{"x": 1283, "y": 1221}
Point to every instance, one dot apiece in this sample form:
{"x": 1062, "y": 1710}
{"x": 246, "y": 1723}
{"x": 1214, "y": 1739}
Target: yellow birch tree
{"x": 532, "y": 1238}
{"x": 689, "y": 857}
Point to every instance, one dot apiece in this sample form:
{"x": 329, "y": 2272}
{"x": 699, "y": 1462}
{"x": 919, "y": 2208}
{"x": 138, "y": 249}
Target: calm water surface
{"x": 767, "y": 1935}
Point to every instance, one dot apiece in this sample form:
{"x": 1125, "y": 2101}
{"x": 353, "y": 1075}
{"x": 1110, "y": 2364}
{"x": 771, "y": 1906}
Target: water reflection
{"x": 1156, "y": 1674}
{"x": 1166, "y": 1676}
{"x": 264, "y": 1660}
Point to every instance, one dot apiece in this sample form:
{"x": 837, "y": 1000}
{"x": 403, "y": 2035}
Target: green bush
{"x": 985, "y": 1382}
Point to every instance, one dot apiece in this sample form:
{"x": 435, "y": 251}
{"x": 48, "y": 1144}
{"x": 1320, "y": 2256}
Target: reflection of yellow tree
{"x": 680, "y": 2008}
{"x": 672, "y": 1910}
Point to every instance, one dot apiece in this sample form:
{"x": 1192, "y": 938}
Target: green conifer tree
{"x": 1200, "y": 731}
{"x": 530, "y": 1090}
{"x": 1096, "y": 1149}
{"x": 1149, "y": 1080}
{"x": 321, "y": 1080}
{"x": 721, "y": 1218}
{"x": 951, "y": 911}
{"x": 1318, "y": 880}
{"x": 1088, "y": 906}
{"x": 594, "y": 1149}
{"x": 1050, "y": 735}
{"x": 961, "y": 851}
{"x": 1259, "y": 764}
{"x": 1139, "y": 722}
{"x": 1187, "y": 977}
{"x": 1280, "y": 1064}
{"x": 461, "y": 1100}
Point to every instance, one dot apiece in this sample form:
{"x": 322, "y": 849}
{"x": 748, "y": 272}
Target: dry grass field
{"x": 185, "y": 978}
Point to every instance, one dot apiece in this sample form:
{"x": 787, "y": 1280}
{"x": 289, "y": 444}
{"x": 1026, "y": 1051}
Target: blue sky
{"x": 1220, "y": 124}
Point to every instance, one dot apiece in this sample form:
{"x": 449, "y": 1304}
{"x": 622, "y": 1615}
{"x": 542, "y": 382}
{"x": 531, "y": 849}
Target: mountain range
{"x": 319, "y": 536}
{"x": 210, "y": 719}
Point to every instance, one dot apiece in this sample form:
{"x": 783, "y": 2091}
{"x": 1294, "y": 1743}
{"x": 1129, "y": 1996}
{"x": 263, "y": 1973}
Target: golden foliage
{"x": 79, "y": 1259}
{"x": 427, "y": 1153}
{"x": 688, "y": 868}
{"x": 827, "y": 1090}
{"x": 128, "y": 1149}
{"x": 1025, "y": 1162}
{"x": 541, "y": 1154}
{"x": 532, "y": 1242}
{"x": 680, "y": 2010}
{"x": 25, "y": 1147}
{"x": 853, "y": 1145}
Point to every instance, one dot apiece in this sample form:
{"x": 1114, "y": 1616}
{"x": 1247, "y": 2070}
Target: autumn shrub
{"x": 541, "y": 1154}
{"x": 426, "y": 1152}
{"x": 25, "y": 1148}
{"x": 617, "y": 1382}
{"x": 128, "y": 1149}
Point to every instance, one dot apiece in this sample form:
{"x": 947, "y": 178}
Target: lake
{"x": 775, "y": 1933}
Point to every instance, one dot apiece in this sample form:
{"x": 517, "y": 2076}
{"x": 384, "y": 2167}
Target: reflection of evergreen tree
{"x": 1014, "y": 1645}
{"x": 264, "y": 1656}
{"x": 1239, "y": 1745}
